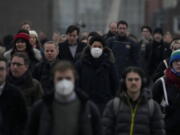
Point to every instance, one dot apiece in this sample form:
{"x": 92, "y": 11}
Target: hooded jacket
{"x": 98, "y": 77}
{"x": 133, "y": 118}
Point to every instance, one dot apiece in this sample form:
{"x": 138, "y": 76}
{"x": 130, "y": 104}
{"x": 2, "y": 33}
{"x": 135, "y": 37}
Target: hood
{"x": 107, "y": 54}
{"x": 145, "y": 95}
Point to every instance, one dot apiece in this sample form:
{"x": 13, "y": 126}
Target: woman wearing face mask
{"x": 97, "y": 73}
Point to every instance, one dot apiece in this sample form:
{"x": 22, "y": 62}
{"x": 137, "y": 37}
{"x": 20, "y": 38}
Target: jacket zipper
{"x": 133, "y": 115}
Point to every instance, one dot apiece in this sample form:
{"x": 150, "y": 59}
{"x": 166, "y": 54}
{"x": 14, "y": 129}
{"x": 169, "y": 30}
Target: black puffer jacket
{"x": 98, "y": 77}
{"x": 122, "y": 123}
{"x": 41, "y": 119}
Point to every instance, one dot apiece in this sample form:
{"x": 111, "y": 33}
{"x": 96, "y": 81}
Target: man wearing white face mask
{"x": 97, "y": 72}
{"x": 64, "y": 90}
{"x": 66, "y": 111}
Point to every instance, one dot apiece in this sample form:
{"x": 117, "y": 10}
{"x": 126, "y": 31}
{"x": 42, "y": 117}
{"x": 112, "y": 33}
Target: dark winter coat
{"x": 13, "y": 111}
{"x": 108, "y": 35}
{"x": 98, "y": 77}
{"x": 159, "y": 72}
{"x": 122, "y": 123}
{"x": 65, "y": 53}
{"x": 143, "y": 44}
{"x": 41, "y": 119}
{"x": 154, "y": 55}
{"x": 167, "y": 50}
{"x": 43, "y": 72}
{"x": 126, "y": 52}
{"x": 172, "y": 119}
{"x": 30, "y": 88}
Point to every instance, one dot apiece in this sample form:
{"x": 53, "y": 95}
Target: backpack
{"x": 118, "y": 106}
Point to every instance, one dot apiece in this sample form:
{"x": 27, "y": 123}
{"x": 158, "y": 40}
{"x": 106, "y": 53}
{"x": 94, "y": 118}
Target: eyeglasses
{"x": 16, "y": 64}
{"x": 131, "y": 79}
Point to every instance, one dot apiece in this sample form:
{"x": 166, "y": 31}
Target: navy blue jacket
{"x": 126, "y": 52}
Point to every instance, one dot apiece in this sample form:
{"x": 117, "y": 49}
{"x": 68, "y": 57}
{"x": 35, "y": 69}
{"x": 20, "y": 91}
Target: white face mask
{"x": 96, "y": 52}
{"x": 64, "y": 87}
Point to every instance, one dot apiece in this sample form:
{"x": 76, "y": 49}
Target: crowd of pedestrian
{"x": 90, "y": 83}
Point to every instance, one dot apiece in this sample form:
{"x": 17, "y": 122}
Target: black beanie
{"x": 158, "y": 30}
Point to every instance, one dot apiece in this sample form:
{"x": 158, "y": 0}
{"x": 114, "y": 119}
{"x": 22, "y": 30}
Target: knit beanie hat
{"x": 33, "y": 32}
{"x": 158, "y": 30}
{"x": 22, "y": 35}
{"x": 174, "y": 56}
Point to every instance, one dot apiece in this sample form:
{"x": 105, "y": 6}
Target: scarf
{"x": 172, "y": 78}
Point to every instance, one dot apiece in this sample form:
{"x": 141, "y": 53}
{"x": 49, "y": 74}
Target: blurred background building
{"x": 90, "y": 15}
{"x": 39, "y": 13}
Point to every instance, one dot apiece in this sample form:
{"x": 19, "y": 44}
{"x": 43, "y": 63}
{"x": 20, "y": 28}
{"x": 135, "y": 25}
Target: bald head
{"x": 113, "y": 27}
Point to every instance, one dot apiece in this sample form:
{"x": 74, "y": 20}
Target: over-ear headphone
{"x": 134, "y": 69}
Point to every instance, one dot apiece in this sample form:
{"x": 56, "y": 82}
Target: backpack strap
{"x": 116, "y": 103}
{"x": 164, "y": 92}
{"x": 116, "y": 106}
{"x": 165, "y": 63}
{"x": 151, "y": 107}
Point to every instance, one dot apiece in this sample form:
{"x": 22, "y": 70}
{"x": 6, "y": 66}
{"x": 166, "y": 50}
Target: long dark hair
{"x": 137, "y": 70}
{"x": 29, "y": 49}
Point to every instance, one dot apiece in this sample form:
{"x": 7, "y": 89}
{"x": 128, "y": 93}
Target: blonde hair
{"x": 174, "y": 43}
{"x": 52, "y": 42}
